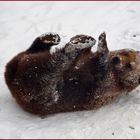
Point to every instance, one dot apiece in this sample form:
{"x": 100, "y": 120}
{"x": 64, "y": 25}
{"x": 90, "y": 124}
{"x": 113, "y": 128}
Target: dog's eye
{"x": 116, "y": 60}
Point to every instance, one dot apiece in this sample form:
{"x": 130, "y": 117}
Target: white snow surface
{"x": 22, "y": 22}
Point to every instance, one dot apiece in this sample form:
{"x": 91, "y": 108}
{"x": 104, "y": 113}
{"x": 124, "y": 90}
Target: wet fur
{"x": 68, "y": 80}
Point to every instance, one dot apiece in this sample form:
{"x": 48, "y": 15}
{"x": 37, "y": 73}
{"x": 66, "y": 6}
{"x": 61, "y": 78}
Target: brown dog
{"x": 73, "y": 78}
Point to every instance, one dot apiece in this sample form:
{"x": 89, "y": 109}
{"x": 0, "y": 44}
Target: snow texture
{"x": 54, "y": 40}
{"x": 82, "y": 42}
{"x": 22, "y": 22}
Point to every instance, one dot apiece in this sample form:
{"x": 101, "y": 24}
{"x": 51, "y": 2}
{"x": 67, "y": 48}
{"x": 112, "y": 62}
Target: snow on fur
{"x": 23, "y": 21}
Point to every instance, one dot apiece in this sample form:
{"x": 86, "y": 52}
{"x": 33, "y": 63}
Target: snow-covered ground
{"x": 21, "y": 22}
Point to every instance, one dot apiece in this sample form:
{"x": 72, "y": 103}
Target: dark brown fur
{"x": 73, "y": 78}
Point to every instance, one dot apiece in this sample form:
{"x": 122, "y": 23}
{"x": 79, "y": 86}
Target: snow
{"x": 53, "y": 36}
{"x": 82, "y": 41}
{"x": 61, "y": 45}
{"x": 22, "y": 22}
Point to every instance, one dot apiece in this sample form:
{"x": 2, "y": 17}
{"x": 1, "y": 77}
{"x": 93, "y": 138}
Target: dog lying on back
{"x": 73, "y": 78}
